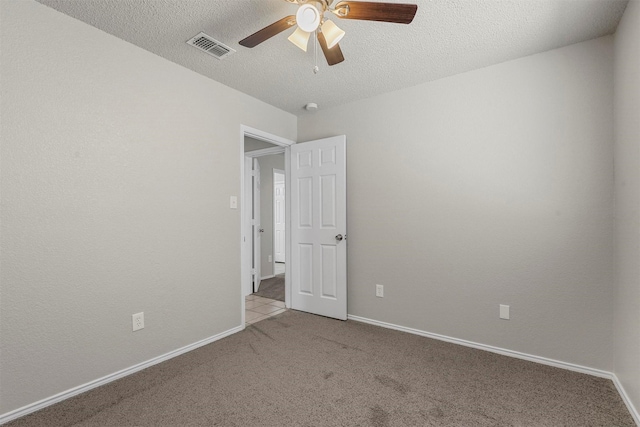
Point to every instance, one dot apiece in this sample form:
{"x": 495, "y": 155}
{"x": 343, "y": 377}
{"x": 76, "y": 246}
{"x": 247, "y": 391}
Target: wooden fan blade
{"x": 267, "y": 32}
{"x": 333, "y": 55}
{"x": 398, "y": 13}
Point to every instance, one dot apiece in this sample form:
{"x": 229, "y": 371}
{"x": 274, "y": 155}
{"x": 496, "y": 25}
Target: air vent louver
{"x": 211, "y": 46}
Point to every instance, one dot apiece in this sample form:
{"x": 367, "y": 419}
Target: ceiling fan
{"x": 311, "y": 20}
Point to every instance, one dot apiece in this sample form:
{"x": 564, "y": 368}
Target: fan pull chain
{"x": 315, "y": 51}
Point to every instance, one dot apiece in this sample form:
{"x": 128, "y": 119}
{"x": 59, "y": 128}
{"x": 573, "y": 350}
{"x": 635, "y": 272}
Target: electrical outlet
{"x": 380, "y": 291}
{"x": 269, "y": 258}
{"x": 138, "y": 321}
{"x": 504, "y": 312}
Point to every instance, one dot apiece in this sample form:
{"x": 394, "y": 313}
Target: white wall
{"x": 267, "y": 164}
{"x": 117, "y": 167}
{"x": 486, "y": 188}
{"x": 627, "y": 196}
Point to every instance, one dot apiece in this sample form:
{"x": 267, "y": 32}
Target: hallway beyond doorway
{"x": 258, "y": 308}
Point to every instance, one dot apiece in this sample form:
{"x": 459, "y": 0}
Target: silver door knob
{"x": 339, "y": 237}
{"x": 261, "y": 230}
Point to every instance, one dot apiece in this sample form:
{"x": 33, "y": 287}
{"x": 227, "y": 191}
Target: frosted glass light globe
{"x": 308, "y": 18}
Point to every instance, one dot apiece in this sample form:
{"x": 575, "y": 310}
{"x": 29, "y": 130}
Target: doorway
{"x": 315, "y": 223}
{"x": 263, "y": 281}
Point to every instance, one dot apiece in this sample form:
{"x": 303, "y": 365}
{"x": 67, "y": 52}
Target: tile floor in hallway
{"x": 259, "y": 308}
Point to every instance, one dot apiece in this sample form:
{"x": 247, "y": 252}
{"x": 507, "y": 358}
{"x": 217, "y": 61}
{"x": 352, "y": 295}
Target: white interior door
{"x": 278, "y": 217}
{"x": 257, "y": 230}
{"x": 319, "y": 227}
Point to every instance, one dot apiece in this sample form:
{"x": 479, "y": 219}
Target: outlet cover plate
{"x": 380, "y": 291}
{"x": 504, "y": 312}
{"x": 138, "y": 321}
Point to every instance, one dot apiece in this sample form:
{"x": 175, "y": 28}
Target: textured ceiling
{"x": 447, "y": 37}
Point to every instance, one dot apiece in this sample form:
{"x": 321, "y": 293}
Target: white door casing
{"x": 318, "y": 227}
{"x": 278, "y": 217}
{"x": 280, "y": 145}
{"x": 257, "y": 231}
{"x": 247, "y": 235}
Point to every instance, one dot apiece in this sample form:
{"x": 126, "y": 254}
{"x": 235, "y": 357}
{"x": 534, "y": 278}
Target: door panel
{"x": 305, "y": 202}
{"x": 318, "y": 211}
{"x": 257, "y": 231}
{"x": 329, "y": 269}
{"x": 304, "y": 159}
{"x": 328, "y": 201}
{"x": 305, "y": 277}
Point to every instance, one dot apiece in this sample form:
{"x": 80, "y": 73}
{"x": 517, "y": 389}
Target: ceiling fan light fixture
{"x": 308, "y": 18}
{"x": 300, "y": 38}
{"x": 332, "y": 33}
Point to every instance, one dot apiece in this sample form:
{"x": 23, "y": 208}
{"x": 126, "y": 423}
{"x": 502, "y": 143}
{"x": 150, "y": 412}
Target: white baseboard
{"x": 625, "y": 397}
{"x": 25, "y": 410}
{"x": 267, "y": 277}
{"x": 503, "y": 351}
{"x": 512, "y": 353}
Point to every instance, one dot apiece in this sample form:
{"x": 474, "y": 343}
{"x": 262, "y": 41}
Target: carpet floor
{"x": 297, "y": 369}
{"x": 272, "y": 288}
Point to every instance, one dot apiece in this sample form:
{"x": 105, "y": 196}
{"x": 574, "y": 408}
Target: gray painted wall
{"x": 267, "y": 164}
{"x": 490, "y": 187}
{"x": 252, "y": 144}
{"x": 115, "y": 199}
{"x": 627, "y": 197}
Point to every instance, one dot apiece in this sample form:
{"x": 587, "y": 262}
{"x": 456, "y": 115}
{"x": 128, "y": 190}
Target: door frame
{"x": 246, "y": 221}
{"x": 256, "y": 271}
{"x": 283, "y": 145}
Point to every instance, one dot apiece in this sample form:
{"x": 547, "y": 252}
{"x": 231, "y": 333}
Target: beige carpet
{"x": 298, "y": 369}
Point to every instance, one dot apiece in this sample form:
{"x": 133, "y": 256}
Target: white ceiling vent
{"x": 211, "y": 46}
